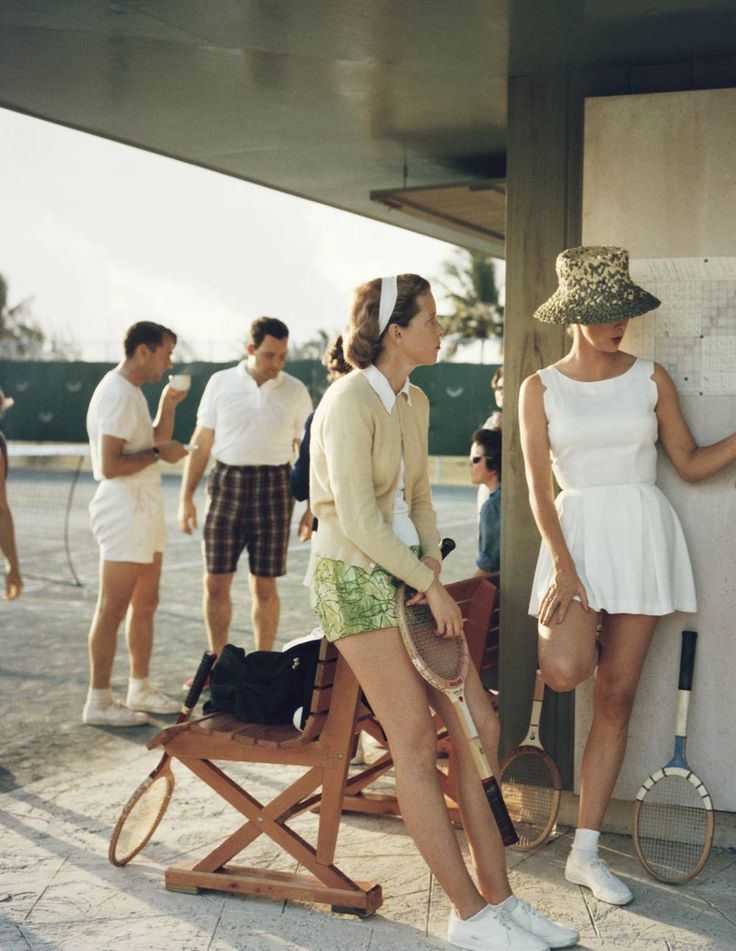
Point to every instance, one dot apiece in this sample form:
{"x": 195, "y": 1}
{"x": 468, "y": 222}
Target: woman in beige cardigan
{"x": 370, "y": 490}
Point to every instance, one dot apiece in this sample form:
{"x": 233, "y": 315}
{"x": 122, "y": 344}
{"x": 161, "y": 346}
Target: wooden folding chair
{"x": 477, "y": 600}
{"x": 324, "y": 748}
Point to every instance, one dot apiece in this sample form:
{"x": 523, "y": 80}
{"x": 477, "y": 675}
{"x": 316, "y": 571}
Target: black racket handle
{"x": 447, "y": 545}
{"x": 500, "y": 812}
{"x": 687, "y": 659}
{"x": 203, "y": 671}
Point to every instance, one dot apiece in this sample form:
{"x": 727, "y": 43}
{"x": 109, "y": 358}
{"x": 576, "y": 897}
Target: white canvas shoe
{"x": 596, "y": 876}
{"x": 114, "y": 714}
{"x": 491, "y": 930}
{"x": 151, "y": 701}
{"x": 556, "y": 936}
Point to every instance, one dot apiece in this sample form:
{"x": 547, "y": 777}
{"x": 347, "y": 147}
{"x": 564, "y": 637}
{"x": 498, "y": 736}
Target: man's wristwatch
{"x": 156, "y": 451}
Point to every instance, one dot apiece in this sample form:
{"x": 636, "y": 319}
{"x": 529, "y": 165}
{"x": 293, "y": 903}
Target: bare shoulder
{"x": 532, "y": 388}
{"x": 663, "y": 380}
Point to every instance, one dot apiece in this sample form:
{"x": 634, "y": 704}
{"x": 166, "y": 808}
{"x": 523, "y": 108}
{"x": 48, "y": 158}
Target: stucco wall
{"x": 660, "y": 180}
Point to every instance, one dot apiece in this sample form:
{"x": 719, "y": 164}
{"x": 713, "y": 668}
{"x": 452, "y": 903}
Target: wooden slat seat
{"x": 324, "y": 747}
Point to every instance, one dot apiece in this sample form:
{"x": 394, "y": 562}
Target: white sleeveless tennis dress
{"x": 623, "y": 534}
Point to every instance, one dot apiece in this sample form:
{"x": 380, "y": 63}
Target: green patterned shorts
{"x": 350, "y": 600}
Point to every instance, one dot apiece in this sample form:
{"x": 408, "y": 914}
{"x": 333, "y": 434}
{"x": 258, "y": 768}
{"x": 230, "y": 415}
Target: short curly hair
{"x": 363, "y": 343}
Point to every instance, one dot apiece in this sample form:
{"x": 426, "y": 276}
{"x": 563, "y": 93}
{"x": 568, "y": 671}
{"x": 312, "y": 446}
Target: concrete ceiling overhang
{"x": 332, "y": 100}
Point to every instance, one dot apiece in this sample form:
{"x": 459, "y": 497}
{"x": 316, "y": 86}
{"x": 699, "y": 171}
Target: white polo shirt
{"x": 254, "y": 425}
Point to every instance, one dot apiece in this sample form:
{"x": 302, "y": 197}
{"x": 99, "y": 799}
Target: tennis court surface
{"x": 62, "y": 785}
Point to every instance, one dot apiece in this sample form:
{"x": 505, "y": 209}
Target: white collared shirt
{"x": 254, "y": 425}
{"x": 403, "y": 526}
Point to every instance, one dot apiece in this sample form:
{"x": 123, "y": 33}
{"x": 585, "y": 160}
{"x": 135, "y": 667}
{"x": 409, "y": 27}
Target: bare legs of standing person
{"x": 399, "y": 698}
{"x": 265, "y": 611}
{"x": 218, "y": 610}
{"x": 567, "y": 656}
{"x": 125, "y": 588}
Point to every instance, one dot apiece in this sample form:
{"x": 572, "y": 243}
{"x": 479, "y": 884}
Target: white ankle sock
{"x": 99, "y": 698}
{"x": 585, "y": 844}
{"x": 138, "y": 684}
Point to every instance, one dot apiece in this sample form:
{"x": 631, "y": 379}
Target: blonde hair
{"x": 362, "y": 341}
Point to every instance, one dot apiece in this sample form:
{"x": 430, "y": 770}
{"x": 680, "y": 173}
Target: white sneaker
{"x": 596, "y": 876}
{"x": 114, "y": 714}
{"x": 491, "y": 930}
{"x": 152, "y": 701}
{"x": 556, "y": 936}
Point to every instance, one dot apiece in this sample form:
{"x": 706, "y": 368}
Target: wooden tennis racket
{"x": 443, "y": 663}
{"x": 530, "y": 782}
{"x": 673, "y": 812}
{"x": 144, "y": 810}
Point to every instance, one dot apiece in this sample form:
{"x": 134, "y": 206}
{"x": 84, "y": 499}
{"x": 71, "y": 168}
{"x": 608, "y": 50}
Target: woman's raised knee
{"x": 565, "y": 673}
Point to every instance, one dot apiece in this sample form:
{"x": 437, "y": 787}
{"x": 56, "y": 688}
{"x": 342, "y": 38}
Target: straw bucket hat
{"x": 595, "y": 288}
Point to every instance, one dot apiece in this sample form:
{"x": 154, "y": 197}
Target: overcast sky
{"x": 101, "y": 235}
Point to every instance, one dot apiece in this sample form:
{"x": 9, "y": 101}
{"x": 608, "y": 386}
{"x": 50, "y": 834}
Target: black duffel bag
{"x": 263, "y": 686}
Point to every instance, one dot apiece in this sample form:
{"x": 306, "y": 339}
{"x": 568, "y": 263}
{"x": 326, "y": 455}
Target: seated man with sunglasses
{"x": 485, "y": 469}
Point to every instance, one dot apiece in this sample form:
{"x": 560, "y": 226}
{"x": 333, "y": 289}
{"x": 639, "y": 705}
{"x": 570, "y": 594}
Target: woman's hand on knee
{"x": 565, "y": 587}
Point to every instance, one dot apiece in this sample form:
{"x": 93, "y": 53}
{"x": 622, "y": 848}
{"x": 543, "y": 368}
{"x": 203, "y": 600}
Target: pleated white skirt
{"x": 629, "y": 551}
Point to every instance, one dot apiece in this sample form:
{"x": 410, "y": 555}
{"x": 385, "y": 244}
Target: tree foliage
{"x": 21, "y": 335}
{"x": 471, "y": 288}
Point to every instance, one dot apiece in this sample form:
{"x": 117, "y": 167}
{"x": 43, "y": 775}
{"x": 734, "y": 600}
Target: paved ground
{"x": 63, "y": 784}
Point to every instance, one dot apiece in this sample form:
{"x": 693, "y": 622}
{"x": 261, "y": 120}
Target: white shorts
{"x": 128, "y": 521}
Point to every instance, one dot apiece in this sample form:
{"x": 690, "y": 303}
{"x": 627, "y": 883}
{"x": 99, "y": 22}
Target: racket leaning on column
{"x": 443, "y": 662}
{"x": 530, "y": 782}
{"x": 673, "y": 812}
{"x": 144, "y": 810}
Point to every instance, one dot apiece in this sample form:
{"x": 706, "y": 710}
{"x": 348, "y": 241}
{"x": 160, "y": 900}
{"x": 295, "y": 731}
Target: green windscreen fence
{"x": 51, "y": 399}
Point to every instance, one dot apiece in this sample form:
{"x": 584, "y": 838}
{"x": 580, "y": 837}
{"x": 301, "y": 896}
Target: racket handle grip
{"x": 198, "y": 681}
{"x": 447, "y": 545}
{"x": 500, "y": 812}
{"x": 687, "y": 659}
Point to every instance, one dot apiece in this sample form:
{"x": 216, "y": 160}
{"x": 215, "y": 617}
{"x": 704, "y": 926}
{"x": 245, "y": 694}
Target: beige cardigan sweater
{"x": 355, "y": 454}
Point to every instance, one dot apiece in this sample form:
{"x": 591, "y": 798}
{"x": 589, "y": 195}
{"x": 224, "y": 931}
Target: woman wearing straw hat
{"x": 613, "y": 558}
{"x": 370, "y": 491}
{"x": 13, "y": 581}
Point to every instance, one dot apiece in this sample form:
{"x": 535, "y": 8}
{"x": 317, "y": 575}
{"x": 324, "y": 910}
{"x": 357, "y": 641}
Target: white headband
{"x": 389, "y": 295}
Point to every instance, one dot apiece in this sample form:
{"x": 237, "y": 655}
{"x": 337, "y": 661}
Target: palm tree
{"x": 471, "y": 288}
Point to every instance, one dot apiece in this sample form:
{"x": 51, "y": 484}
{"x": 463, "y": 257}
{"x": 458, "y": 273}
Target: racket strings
{"x": 442, "y": 655}
{"x": 672, "y": 827}
{"x": 531, "y": 795}
{"x": 142, "y": 817}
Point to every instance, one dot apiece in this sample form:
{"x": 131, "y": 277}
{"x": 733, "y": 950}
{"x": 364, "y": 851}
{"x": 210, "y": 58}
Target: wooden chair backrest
{"x": 477, "y": 599}
{"x": 324, "y": 679}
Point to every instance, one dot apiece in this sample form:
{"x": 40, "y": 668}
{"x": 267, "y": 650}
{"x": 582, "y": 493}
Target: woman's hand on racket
{"x": 420, "y": 597}
{"x": 565, "y": 587}
{"x": 445, "y": 610}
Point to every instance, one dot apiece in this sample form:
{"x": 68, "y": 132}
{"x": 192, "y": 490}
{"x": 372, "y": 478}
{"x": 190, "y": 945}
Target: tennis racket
{"x": 443, "y": 663}
{"x": 530, "y": 782}
{"x": 144, "y": 810}
{"x": 673, "y": 812}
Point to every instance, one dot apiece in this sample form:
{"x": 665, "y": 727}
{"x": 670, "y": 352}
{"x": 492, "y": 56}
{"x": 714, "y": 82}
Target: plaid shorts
{"x": 248, "y": 507}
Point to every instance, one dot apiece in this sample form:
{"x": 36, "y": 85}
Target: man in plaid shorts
{"x": 250, "y": 418}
